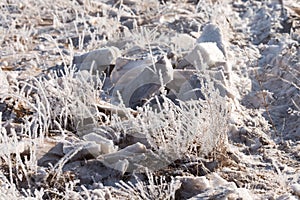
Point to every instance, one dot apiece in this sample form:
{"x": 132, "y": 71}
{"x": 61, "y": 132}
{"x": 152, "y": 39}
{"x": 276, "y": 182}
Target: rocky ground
{"x": 209, "y": 108}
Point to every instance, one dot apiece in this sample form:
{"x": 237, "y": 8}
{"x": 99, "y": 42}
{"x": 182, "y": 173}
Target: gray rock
{"x": 97, "y": 60}
{"x": 179, "y": 78}
{"x": 262, "y": 30}
{"x": 127, "y": 69}
{"x": 191, "y": 89}
{"x": 50, "y": 154}
{"x": 183, "y": 41}
{"x": 296, "y": 189}
{"x": 107, "y": 145}
{"x": 228, "y": 191}
{"x": 82, "y": 150}
{"x": 287, "y": 196}
{"x": 212, "y": 186}
{"x": 191, "y": 186}
{"x": 212, "y": 33}
{"x": 206, "y": 55}
{"x": 93, "y": 171}
{"x": 125, "y": 159}
{"x": 140, "y": 83}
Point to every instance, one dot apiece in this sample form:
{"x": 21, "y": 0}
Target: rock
{"x": 183, "y": 41}
{"x": 124, "y": 159}
{"x": 179, "y": 77}
{"x": 211, "y": 187}
{"x": 186, "y": 85}
{"x": 81, "y": 151}
{"x": 191, "y": 186}
{"x": 218, "y": 75}
{"x": 261, "y": 31}
{"x": 296, "y": 189}
{"x": 211, "y": 52}
{"x": 107, "y": 146}
{"x": 40, "y": 176}
{"x": 240, "y": 193}
{"x": 287, "y": 196}
{"x": 127, "y": 69}
{"x": 191, "y": 89}
{"x": 212, "y": 33}
{"x": 141, "y": 83}
{"x": 97, "y": 60}
{"x": 223, "y": 89}
{"x": 216, "y": 180}
{"x": 50, "y": 155}
{"x": 206, "y": 54}
{"x": 225, "y": 192}
{"x": 93, "y": 171}
{"x": 259, "y": 99}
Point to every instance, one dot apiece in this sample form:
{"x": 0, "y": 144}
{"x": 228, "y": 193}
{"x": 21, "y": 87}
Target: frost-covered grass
{"x": 58, "y": 105}
{"x": 49, "y": 101}
{"x": 41, "y": 105}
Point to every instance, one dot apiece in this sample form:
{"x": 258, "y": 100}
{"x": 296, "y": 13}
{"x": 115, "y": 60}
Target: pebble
{"x": 97, "y": 60}
{"x": 107, "y": 146}
{"x": 206, "y": 54}
{"x": 296, "y": 189}
{"x": 191, "y": 186}
{"x": 212, "y": 33}
{"x": 142, "y": 84}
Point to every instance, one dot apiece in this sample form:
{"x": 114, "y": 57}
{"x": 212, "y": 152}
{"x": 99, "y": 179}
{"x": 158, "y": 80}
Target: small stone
{"x": 287, "y": 196}
{"x": 127, "y": 69}
{"x": 212, "y": 33}
{"x": 107, "y": 146}
{"x": 216, "y": 180}
{"x": 179, "y": 78}
{"x": 4, "y": 63}
{"x": 240, "y": 193}
{"x": 183, "y": 41}
{"x": 140, "y": 83}
{"x": 98, "y": 60}
{"x": 191, "y": 186}
{"x": 191, "y": 89}
{"x": 40, "y": 175}
{"x": 206, "y": 54}
{"x": 130, "y": 154}
{"x": 296, "y": 189}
